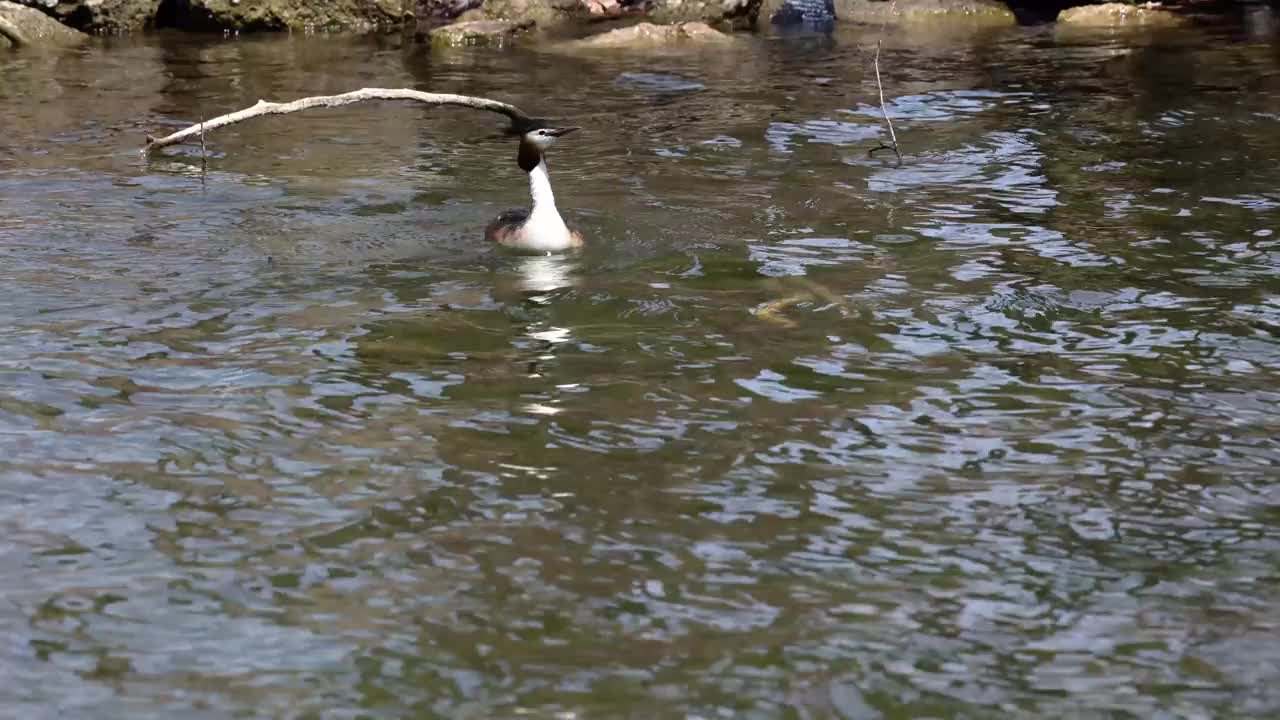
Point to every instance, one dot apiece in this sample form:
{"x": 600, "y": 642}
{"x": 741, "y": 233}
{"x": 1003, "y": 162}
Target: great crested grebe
{"x": 540, "y": 229}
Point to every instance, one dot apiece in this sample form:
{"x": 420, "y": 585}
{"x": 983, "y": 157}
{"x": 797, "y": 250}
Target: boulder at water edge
{"x": 738, "y": 14}
{"x": 111, "y": 16}
{"x": 35, "y": 27}
{"x": 646, "y": 35}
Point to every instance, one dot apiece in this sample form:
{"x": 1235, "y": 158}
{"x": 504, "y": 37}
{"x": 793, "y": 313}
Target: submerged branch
{"x": 11, "y": 32}
{"x": 263, "y": 107}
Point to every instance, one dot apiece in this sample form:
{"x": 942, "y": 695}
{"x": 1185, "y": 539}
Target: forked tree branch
{"x": 12, "y": 33}
{"x": 517, "y": 116}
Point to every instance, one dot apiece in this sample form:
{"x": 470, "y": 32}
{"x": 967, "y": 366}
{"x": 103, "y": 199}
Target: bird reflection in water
{"x": 544, "y": 274}
{"x": 538, "y": 281}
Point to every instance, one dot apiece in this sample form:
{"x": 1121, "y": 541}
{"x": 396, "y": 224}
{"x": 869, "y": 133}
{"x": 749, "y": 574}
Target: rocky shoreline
{"x": 464, "y": 22}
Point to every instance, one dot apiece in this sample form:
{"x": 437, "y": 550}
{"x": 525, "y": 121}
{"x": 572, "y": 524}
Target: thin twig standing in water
{"x": 11, "y": 32}
{"x": 893, "y": 137}
{"x": 204, "y": 155}
{"x": 517, "y": 116}
{"x": 884, "y": 110}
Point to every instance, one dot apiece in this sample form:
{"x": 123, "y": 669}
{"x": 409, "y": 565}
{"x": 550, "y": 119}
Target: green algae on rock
{"x": 1119, "y": 15}
{"x": 479, "y": 32}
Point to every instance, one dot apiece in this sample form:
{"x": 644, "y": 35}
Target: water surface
{"x": 802, "y": 434}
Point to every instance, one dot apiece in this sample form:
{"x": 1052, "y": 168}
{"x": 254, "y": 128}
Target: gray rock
{"x": 35, "y": 27}
{"x": 649, "y": 35}
{"x": 738, "y": 14}
{"x": 111, "y": 16}
{"x": 905, "y": 12}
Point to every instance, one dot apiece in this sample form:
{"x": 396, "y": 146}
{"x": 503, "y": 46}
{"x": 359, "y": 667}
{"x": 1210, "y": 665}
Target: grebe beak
{"x": 557, "y": 132}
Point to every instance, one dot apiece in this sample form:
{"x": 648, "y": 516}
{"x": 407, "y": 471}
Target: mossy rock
{"x": 479, "y": 32}
{"x": 544, "y": 13}
{"x": 1112, "y": 15}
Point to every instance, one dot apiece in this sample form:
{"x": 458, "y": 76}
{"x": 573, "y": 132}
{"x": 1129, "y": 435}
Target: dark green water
{"x": 802, "y": 435}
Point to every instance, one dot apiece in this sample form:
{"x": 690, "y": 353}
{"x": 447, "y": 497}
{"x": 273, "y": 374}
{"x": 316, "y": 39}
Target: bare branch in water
{"x": 884, "y": 110}
{"x": 263, "y": 107}
{"x": 893, "y": 136}
{"x": 12, "y": 33}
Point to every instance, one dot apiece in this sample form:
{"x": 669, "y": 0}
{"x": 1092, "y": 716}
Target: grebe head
{"x": 544, "y": 137}
{"x": 535, "y": 141}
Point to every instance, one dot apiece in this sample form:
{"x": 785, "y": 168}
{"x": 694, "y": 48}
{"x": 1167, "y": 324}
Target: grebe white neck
{"x": 540, "y": 188}
{"x": 545, "y": 229}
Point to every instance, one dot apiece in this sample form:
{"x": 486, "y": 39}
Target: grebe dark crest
{"x": 539, "y": 229}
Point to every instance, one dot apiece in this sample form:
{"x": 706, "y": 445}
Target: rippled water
{"x": 992, "y": 434}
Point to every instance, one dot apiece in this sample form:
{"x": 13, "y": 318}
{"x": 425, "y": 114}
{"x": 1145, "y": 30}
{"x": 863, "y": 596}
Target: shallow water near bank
{"x": 802, "y": 434}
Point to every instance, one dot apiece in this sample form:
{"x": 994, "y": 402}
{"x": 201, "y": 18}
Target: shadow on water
{"x": 801, "y": 434}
